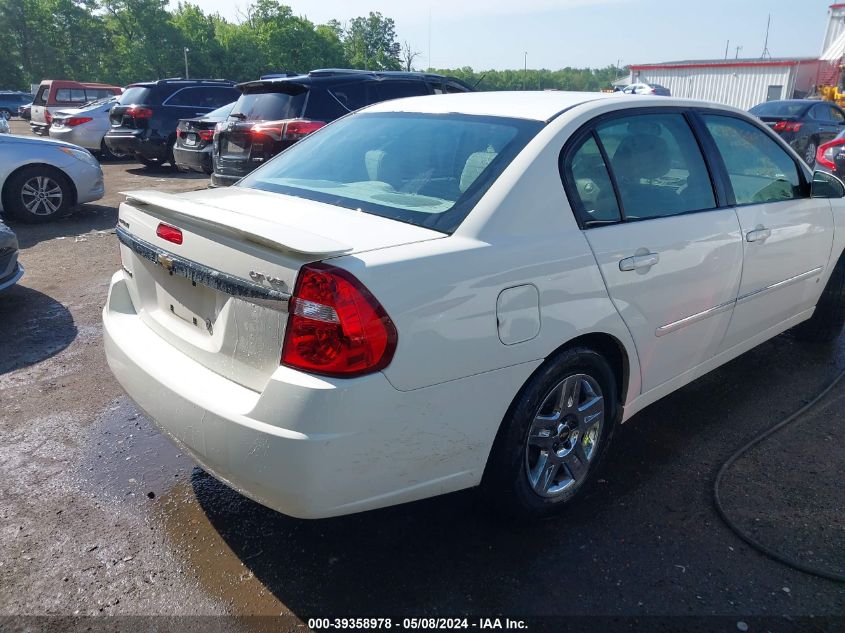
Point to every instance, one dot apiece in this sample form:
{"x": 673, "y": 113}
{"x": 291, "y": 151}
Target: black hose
{"x": 717, "y": 499}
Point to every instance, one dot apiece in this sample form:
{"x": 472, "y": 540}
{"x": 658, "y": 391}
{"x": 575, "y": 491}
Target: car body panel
{"x": 441, "y": 400}
{"x": 20, "y": 151}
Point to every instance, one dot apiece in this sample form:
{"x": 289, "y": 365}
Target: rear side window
{"x": 271, "y": 105}
{"x": 386, "y": 90}
{"x": 351, "y": 96}
{"x": 595, "y": 199}
{"x": 759, "y": 169}
{"x": 322, "y": 106}
{"x": 199, "y": 97}
{"x": 657, "y": 164}
{"x": 71, "y": 95}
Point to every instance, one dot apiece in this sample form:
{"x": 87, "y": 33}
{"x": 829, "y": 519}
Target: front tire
{"x": 810, "y": 153}
{"x": 107, "y": 154}
{"x": 827, "y": 320}
{"x": 554, "y": 436}
{"x": 6, "y": 113}
{"x": 38, "y": 194}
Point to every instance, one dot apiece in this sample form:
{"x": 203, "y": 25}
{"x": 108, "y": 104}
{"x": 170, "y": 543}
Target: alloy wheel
{"x": 564, "y": 435}
{"x": 41, "y": 195}
{"x": 810, "y": 154}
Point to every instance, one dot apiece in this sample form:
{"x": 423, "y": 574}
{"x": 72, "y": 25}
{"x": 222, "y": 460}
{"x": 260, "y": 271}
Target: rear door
{"x": 787, "y": 235}
{"x": 670, "y": 255}
{"x": 829, "y": 120}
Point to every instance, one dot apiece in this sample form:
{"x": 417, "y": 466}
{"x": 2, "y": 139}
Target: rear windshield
{"x": 265, "y": 105}
{"x": 422, "y": 169}
{"x": 779, "y": 108}
{"x": 135, "y": 95}
{"x": 221, "y": 112}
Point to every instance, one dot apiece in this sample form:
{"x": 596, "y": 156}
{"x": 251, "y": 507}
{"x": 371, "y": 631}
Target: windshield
{"x": 270, "y": 106}
{"x": 779, "y": 108}
{"x": 422, "y": 169}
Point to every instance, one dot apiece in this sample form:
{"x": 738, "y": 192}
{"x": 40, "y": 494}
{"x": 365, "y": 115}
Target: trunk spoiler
{"x": 271, "y": 234}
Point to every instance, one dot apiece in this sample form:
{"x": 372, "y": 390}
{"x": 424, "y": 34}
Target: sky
{"x": 497, "y": 34}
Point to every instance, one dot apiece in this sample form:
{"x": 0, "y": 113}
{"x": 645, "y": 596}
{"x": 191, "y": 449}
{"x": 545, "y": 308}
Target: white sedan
{"x": 41, "y": 179}
{"x": 443, "y": 292}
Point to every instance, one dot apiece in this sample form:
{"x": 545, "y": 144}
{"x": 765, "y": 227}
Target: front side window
{"x": 758, "y": 168}
{"x": 657, "y": 164}
{"x": 421, "y": 169}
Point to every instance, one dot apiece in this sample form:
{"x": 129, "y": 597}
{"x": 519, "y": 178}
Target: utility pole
{"x": 766, "y": 52}
{"x": 525, "y": 71}
{"x": 430, "y": 66}
{"x": 727, "y": 46}
{"x": 185, "y": 50}
{"x": 738, "y": 48}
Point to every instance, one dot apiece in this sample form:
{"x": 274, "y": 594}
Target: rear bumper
{"x": 308, "y": 446}
{"x": 78, "y": 136}
{"x": 140, "y": 143}
{"x": 222, "y": 180}
{"x": 193, "y": 159}
{"x": 42, "y": 129}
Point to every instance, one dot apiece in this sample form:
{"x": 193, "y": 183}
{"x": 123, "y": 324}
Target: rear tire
{"x": 107, "y": 154}
{"x": 810, "y": 153}
{"x": 38, "y": 194}
{"x": 6, "y": 113}
{"x": 826, "y": 323}
{"x": 554, "y": 436}
{"x": 147, "y": 162}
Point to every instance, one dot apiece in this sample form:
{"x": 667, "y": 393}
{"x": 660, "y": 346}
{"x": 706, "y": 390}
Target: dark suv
{"x": 272, "y": 114}
{"x": 143, "y": 123}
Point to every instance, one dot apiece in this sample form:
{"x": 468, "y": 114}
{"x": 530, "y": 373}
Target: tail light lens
{"x": 48, "y": 117}
{"x": 179, "y": 133}
{"x": 139, "y": 112}
{"x": 787, "y": 126}
{"x": 77, "y": 120}
{"x": 286, "y": 130}
{"x": 336, "y": 326}
{"x": 826, "y": 152}
{"x": 206, "y": 135}
{"x": 169, "y": 233}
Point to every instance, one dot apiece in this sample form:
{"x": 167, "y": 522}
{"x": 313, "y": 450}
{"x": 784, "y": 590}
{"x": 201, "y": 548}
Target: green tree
{"x": 370, "y": 43}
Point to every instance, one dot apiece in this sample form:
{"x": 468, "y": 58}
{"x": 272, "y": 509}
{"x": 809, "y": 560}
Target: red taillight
{"x": 139, "y": 113}
{"x": 787, "y": 126}
{"x": 77, "y": 120}
{"x": 824, "y": 154}
{"x": 179, "y": 133}
{"x": 206, "y": 135}
{"x": 336, "y": 326}
{"x": 286, "y": 130}
{"x": 48, "y": 117}
{"x": 169, "y": 233}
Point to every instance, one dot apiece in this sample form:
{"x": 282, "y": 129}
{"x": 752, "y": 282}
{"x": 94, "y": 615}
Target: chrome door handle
{"x": 759, "y": 234}
{"x": 638, "y": 262}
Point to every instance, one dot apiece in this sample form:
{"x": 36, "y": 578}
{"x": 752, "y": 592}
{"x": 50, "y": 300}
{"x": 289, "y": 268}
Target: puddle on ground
{"x": 127, "y": 456}
{"x": 129, "y": 460}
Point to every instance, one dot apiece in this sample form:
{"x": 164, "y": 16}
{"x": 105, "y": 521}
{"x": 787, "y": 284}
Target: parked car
{"x": 195, "y": 139}
{"x": 10, "y": 268}
{"x": 86, "y": 126}
{"x": 41, "y": 179}
{"x": 641, "y": 88}
{"x": 273, "y": 114}
{"x": 804, "y": 124}
{"x": 830, "y": 156}
{"x": 61, "y": 93}
{"x": 11, "y": 101}
{"x": 25, "y": 112}
{"x": 408, "y": 303}
{"x": 144, "y": 121}
{"x": 4, "y": 126}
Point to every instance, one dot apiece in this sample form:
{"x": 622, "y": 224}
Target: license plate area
{"x": 237, "y": 146}
{"x": 191, "y": 140}
{"x": 194, "y": 305}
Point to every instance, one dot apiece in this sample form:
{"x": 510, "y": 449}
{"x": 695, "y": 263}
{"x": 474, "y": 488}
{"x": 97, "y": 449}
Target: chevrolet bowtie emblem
{"x": 165, "y": 262}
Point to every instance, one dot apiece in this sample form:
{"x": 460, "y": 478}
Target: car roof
{"x": 344, "y": 75}
{"x": 535, "y": 105}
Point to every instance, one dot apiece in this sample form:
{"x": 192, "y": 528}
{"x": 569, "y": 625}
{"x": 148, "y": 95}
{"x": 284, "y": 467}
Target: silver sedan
{"x": 10, "y": 268}
{"x": 41, "y": 179}
{"x": 85, "y": 126}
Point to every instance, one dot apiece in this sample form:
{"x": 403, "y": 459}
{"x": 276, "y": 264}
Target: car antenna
{"x": 480, "y": 80}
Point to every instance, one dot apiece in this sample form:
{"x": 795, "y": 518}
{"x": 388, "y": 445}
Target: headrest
{"x": 641, "y": 155}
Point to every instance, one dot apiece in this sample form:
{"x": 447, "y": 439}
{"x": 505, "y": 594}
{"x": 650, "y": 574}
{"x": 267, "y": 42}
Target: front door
{"x": 671, "y": 260}
{"x": 787, "y": 235}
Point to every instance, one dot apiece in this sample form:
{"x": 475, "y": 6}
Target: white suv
{"x": 443, "y": 292}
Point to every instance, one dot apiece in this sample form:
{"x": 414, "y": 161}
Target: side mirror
{"x": 826, "y": 185}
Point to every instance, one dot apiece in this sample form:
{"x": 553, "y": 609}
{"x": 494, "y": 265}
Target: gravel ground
{"x": 100, "y": 515}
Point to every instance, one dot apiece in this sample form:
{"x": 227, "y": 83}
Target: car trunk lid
{"x": 220, "y": 296}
